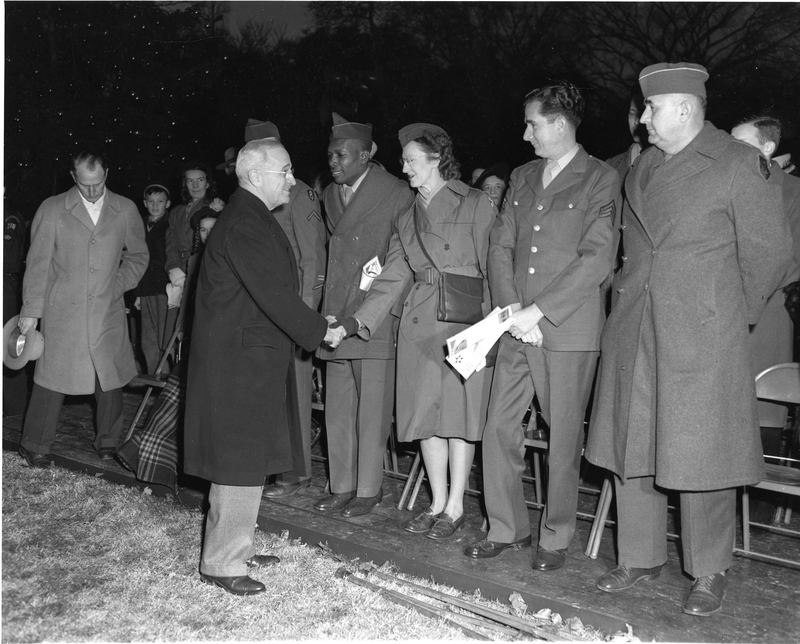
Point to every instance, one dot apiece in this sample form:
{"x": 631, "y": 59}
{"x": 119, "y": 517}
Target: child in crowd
{"x": 151, "y": 294}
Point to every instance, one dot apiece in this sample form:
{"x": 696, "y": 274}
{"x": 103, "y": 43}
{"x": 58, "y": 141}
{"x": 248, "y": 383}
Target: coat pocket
{"x": 261, "y": 336}
{"x": 54, "y": 291}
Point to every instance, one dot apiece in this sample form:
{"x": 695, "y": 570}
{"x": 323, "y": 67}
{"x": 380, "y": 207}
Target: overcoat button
{"x": 447, "y": 246}
{"x": 531, "y": 270}
{"x": 536, "y": 227}
{"x": 516, "y": 203}
{"x": 415, "y": 320}
{"x": 534, "y": 249}
{"x": 570, "y": 205}
{"x": 539, "y": 207}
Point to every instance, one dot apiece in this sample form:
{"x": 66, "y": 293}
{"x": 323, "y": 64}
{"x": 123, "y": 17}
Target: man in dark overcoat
{"x": 87, "y": 249}
{"x": 550, "y": 250}
{"x": 772, "y": 339}
{"x": 301, "y": 220}
{"x": 241, "y": 403}
{"x": 706, "y": 242}
{"x": 361, "y": 205}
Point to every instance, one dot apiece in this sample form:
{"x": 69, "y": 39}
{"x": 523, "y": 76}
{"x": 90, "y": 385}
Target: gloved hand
{"x": 350, "y": 325}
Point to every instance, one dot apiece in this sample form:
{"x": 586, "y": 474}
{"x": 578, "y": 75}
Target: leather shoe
{"x": 334, "y": 501}
{"x": 621, "y": 578}
{"x": 281, "y": 491}
{"x": 34, "y": 459}
{"x": 243, "y": 585}
{"x": 362, "y": 505}
{"x": 106, "y": 453}
{"x": 549, "y": 559}
{"x": 485, "y": 548}
{"x": 423, "y": 522}
{"x": 706, "y": 596}
{"x": 445, "y": 526}
{"x": 262, "y": 560}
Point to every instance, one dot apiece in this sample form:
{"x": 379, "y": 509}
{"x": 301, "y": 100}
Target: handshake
{"x": 339, "y": 330}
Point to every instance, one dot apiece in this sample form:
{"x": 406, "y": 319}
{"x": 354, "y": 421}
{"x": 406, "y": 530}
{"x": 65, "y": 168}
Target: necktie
{"x": 547, "y": 176}
{"x": 347, "y": 194}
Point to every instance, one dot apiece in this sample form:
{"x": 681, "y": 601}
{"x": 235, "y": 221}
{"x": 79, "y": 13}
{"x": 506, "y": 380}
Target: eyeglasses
{"x": 404, "y": 160}
{"x": 285, "y": 173}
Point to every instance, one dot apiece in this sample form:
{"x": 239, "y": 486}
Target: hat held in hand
{"x": 18, "y": 348}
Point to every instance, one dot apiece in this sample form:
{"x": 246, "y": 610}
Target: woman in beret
{"x": 435, "y": 405}
{"x": 494, "y": 182}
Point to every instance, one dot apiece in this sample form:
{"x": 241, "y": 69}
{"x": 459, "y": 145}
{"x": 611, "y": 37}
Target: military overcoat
{"x": 241, "y": 402}
{"x": 76, "y": 275}
{"x": 706, "y": 243}
{"x": 432, "y": 398}
{"x": 358, "y": 233}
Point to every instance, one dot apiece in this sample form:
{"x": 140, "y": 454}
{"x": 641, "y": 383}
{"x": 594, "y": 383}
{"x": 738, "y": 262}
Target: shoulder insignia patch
{"x": 311, "y": 195}
{"x": 609, "y": 210}
{"x": 763, "y": 167}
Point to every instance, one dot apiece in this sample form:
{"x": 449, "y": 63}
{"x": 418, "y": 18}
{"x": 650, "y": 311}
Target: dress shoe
{"x": 243, "y": 585}
{"x": 706, "y": 596}
{"x": 262, "y": 560}
{"x": 549, "y": 559}
{"x": 106, "y": 453}
{"x": 423, "y": 522}
{"x": 445, "y": 526}
{"x": 485, "y": 548}
{"x": 621, "y": 578}
{"x": 334, "y": 501}
{"x": 362, "y": 505}
{"x": 281, "y": 491}
{"x": 34, "y": 459}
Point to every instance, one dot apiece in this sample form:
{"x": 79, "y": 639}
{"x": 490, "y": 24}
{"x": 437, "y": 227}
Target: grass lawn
{"x": 89, "y": 560}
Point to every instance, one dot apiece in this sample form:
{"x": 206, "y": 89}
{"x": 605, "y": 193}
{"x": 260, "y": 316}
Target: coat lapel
{"x": 361, "y": 205}
{"x": 109, "y": 212}
{"x": 73, "y": 204}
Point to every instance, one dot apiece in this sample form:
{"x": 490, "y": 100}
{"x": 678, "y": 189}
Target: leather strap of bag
{"x": 419, "y": 238}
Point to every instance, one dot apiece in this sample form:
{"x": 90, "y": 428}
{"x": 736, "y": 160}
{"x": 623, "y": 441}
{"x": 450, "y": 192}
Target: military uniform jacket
{"x": 554, "y": 246}
{"x": 76, "y": 275}
{"x": 241, "y": 399}
{"x": 707, "y": 242}
{"x": 301, "y": 220}
{"x": 432, "y": 397}
{"x": 359, "y": 232}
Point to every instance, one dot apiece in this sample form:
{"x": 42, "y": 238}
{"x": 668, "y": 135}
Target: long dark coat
{"x": 432, "y": 398}
{"x": 76, "y": 275}
{"x": 359, "y": 232}
{"x": 706, "y": 242}
{"x": 241, "y": 403}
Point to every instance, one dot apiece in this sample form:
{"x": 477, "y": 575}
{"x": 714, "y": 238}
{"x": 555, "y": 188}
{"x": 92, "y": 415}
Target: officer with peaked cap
{"x": 361, "y": 205}
{"x": 706, "y": 243}
{"x": 301, "y": 220}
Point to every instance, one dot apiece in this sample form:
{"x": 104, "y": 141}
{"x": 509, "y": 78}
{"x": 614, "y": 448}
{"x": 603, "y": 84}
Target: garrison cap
{"x": 343, "y": 129}
{"x": 416, "y": 130}
{"x": 673, "y": 78}
{"x": 255, "y": 130}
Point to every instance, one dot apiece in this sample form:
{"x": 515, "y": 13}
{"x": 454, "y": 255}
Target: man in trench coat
{"x": 241, "y": 403}
{"x": 550, "y": 250}
{"x": 706, "y": 242}
{"x": 772, "y": 339}
{"x": 360, "y": 205}
{"x": 87, "y": 248}
{"x": 301, "y": 220}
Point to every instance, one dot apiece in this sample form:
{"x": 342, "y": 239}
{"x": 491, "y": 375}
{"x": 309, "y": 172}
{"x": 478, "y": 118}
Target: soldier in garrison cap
{"x": 361, "y": 206}
{"x": 706, "y": 244}
{"x": 301, "y": 220}
{"x": 550, "y": 250}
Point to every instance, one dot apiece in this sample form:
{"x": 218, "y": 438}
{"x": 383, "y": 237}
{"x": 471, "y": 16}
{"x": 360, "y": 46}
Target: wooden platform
{"x": 761, "y": 604}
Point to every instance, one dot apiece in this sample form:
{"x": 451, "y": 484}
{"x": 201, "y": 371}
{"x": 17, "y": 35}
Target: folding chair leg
{"x": 537, "y": 477}
{"x": 596, "y": 533}
{"x": 417, "y": 486}
{"x": 138, "y": 415}
{"x": 412, "y": 473}
{"x": 745, "y": 519}
{"x": 485, "y": 525}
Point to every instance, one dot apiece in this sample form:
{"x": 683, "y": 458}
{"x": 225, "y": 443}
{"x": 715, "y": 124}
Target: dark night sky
{"x": 291, "y": 14}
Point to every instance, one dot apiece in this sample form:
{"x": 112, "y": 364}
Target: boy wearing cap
{"x": 151, "y": 294}
{"x": 706, "y": 243}
{"x": 360, "y": 205}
